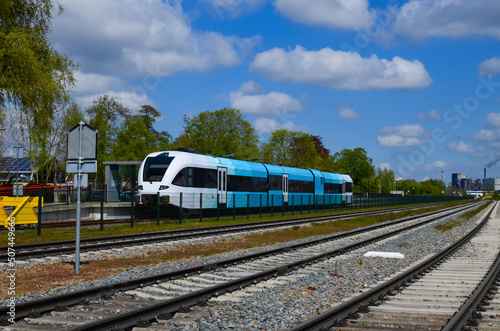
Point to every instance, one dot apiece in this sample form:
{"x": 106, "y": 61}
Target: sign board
{"x": 17, "y": 190}
{"x": 89, "y": 142}
{"x": 84, "y": 183}
{"x": 87, "y": 167}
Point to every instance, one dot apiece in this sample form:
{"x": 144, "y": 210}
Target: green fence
{"x": 233, "y": 205}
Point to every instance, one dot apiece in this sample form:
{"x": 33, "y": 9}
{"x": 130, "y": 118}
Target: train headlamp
{"x": 163, "y": 187}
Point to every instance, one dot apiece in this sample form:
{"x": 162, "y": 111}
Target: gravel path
{"x": 312, "y": 291}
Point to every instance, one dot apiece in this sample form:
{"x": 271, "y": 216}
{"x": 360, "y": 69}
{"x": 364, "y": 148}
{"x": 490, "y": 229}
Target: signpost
{"x": 82, "y": 144}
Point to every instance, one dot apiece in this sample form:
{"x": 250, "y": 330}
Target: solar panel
{"x": 11, "y": 164}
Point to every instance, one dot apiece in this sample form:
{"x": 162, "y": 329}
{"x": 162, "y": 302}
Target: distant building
{"x": 491, "y": 184}
{"x": 475, "y": 185}
{"x": 456, "y": 179}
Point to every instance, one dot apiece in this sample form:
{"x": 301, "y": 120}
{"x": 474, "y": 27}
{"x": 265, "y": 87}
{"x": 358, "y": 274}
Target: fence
{"x": 215, "y": 206}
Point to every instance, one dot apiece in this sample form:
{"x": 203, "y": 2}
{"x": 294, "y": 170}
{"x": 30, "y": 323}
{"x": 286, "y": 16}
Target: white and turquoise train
{"x": 191, "y": 180}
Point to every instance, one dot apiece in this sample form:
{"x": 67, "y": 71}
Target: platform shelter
{"x": 120, "y": 177}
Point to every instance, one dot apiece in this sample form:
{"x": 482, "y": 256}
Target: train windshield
{"x": 155, "y": 167}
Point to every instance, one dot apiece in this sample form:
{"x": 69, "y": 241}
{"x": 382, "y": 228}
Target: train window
{"x": 348, "y": 187}
{"x": 300, "y": 186}
{"x": 333, "y": 188}
{"x": 205, "y": 178}
{"x": 275, "y": 183}
{"x": 155, "y": 167}
{"x": 184, "y": 178}
{"x": 246, "y": 184}
{"x": 196, "y": 177}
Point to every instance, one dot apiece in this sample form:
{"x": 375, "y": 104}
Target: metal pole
{"x": 201, "y": 207}
{"x": 180, "y": 208}
{"x": 40, "y": 201}
{"x": 78, "y": 202}
{"x": 260, "y": 204}
{"x": 157, "y": 208}
{"x": 102, "y": 210}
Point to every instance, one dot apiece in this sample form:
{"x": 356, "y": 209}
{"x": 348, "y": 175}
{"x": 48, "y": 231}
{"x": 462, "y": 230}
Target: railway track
{"x": 56, "y": 248}
{"x": 448, "y": 291}
{"x": 156, "y": 298}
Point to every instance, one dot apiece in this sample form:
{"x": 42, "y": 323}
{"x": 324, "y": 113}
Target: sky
{"x": 414, "y": 83}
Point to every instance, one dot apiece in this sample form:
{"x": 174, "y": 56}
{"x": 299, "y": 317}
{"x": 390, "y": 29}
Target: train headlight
{"x": 162, "y": 187}
{"x": 141, "y": 188}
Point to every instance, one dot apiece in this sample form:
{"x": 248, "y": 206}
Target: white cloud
{"x": 251, "y": 87}
{"x": 485, "y": 135}
{"x": 398, "y": 141}
{"x": 460, "y": 147}
{"x": 138, "y": 38}
{"x": 493, "y": 119}
{"x": 407, "y": 130}
{"x": 436, "y": 164}
{"x": 90, "y": 86}
{"x": 402, "y": 136}
{"x": 340, "y": 70}
{"x": 333, "y": 14}
{"x": 94, "y": 83}
{"x": 420, "y": 19}
{"x": 384, "y": 166}
{"x": 432, "y": 115}
{"x": 489, "y": 67}
{"x": 347, "y": 113}
{"x": 265, "y": 126}
{"x": 129, "y": 99}
{"x": 270, "y": 104}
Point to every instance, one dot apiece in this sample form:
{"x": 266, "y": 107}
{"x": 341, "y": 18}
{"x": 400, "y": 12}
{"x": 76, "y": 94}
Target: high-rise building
{"x": 456, "y": 179}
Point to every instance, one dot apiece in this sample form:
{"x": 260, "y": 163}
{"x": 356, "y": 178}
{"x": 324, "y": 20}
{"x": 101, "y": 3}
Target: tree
{"x": 431, "y": 187}
{"x": 326, "y": 160}
{"x": 408, "y": 186}
{"x": 105, "y": 113}
{"x": 277, "y": 149}
{"x": 385, "y": 178}
{"x": 137, "y": 137}
{"x": 34, "y": 77}
{"x": 303, "y": 152}
{"x": 221, "y": 132}
{"x": 354, "y": 163}
{"x": 46, "y": 148}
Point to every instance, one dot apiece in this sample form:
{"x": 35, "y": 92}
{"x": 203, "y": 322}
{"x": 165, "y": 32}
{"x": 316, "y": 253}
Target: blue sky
{"x": 414, "y": 83}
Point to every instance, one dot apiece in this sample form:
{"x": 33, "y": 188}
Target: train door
{"x": 285, "y": 188}
{"x": 343, "y": 192}
{"x": 222, "y": 184}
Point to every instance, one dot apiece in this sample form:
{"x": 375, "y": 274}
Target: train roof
{"x": 249, "y": 168}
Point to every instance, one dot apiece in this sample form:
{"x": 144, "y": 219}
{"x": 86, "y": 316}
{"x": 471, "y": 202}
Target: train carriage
{"x": 191, "y": 180}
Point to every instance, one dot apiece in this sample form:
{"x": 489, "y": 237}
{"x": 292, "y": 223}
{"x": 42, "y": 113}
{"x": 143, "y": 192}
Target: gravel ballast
{"x": 306, "y": 292}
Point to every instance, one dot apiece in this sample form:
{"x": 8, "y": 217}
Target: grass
{"x": 44, "y": 277}
{"x": 460, "y": 220}
{"x": 55, "y": 234}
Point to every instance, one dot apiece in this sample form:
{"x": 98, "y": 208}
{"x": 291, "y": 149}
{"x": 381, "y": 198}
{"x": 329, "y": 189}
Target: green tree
{"x": 385, "y": 178}
{"x": 277, "y": 149}
{"x": 105, "y": 114}
{"x": 431, "y": 187}
{"x": 326, "y": 161}
{"x": 137, "y": 137}
{"x": 409, "y": 186}
{"x": 303, "y": 152}
{"x": 47, "y": 148}
{"x": 221, "y": 132}
{"x": 34, "y": 77}
{"x": 354, "y": 163}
